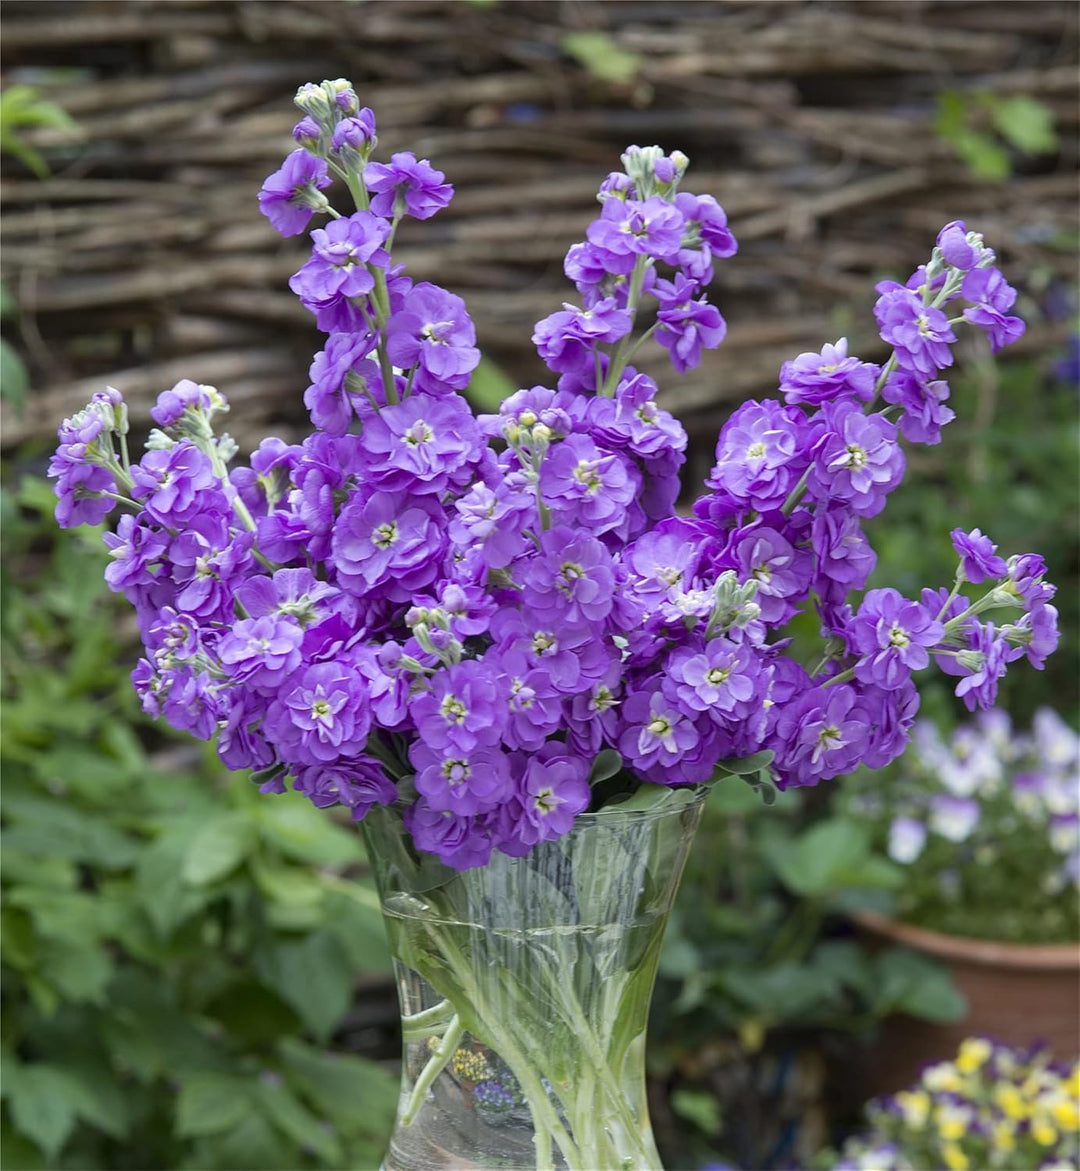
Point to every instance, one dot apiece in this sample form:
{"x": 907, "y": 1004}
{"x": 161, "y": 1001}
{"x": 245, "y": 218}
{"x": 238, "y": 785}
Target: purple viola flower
{"x": 892, "y": 634}
{"x": 856, "y": 458}
{"x": 586, "y": 486}
{"x": 571, "y": 582}
{"x": 433, "y": 333}
{"x": 340, "y": 258}
{"x": 923, "y": 403}
{"x": 423, "y": 445}
{"x": 262, "y": 652}
{"x": 289, "y": 196}
{"x": 630, "y": 228}
{"x": 817, "y": 378}
{"x": 567, "y": 340}
{"x": 978, "y": 556}
{"x": 953, "y": 818}
{"x": 172, "y": 404}
{"x": 686, "y": 324}
{"x": 339, "y": 375}
{"x": 465, "y": 707}
{"x": 992, "y": 297}
{"x": 461, "y": 842}
{"x": 461, "y": 782}
{"x": 320, "y": 715}
{"x": 388, "y": 540}
{"x": 406, "y": 184}
{"x": 760, "y": 454}
{"x": 920, "y": 334}
{"x": 783, "y": 572}
{"x": 907, "y": 837}
{"x": 171, "y": 484}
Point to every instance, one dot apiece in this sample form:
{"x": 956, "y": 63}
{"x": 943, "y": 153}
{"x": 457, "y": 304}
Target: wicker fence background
{"x": 143, "y": 258}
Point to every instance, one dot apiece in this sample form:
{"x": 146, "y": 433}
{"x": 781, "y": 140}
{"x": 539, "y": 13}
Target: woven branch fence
{"x": 143, "y": 257}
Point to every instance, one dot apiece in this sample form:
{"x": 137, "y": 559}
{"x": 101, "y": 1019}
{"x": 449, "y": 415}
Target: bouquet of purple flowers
{"x": 493, "y": 623}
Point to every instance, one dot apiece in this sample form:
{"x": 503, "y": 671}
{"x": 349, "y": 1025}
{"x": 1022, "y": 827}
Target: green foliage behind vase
{"x": 178, "y": 950}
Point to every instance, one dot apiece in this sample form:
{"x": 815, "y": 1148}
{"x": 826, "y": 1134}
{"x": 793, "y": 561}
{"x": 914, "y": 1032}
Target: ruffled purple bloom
{"x": 819, "y": 734}
{"x": 461, "y": 842}
{"x": 630, "y": 228}
{"x": 461, "y": 782}
{"x": 844, "y": 558}
{"x": 923, "y": 402}
{"x": 464, "y": 708}
{"x": 263, "y": 651}
{"x": 892, "y": 634}
{"x": 992, "y": 297}
{"x": 586, "y": 486}
{"x": 567, "y": 340}
{"x": 920, "y": 335}
{"x": 172, "y": 404}
{"x": 171, "y": 484}
{"x": 287, "y": 198}
{"x": 760, "y": 455}
{"x": 408, "y": 184}
{"x": 817, "y": 378}
{"x": 552, "y": 790}
{"x": 340, "y": 258}
{"x": 978, "y": 556}
{"x": 336, "y": 372}
{"x": 984, "y": 664}
{"x": 655, "y": 730}
{"x": 955, "y": 246}
{"x": 857, "y": 458}
{"x": 782, "y": 572}
{"x": 320, "y": 715}
{"x": 570, "y": 583}
{"x": 433, "y": 333}
{"x": 686, "y": 324}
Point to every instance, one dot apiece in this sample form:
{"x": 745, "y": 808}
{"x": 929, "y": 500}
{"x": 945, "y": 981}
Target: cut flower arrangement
{"x": 986, "y": 825}
{"x": 493, "y": 640}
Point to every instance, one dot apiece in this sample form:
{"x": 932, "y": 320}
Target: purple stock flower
{"x": 856, "y": 459}
{"x": 630, "y": 228}
{"x": 571, "y": 582}
{"x": 956, "y": 248}
{"x": 433, "y": 333}
{"x": 817, "y": 378}
{"x": 1035, "y": 635}
{"x": 656, "y": 730}
{"x": 686, "y": 324}
{"x": 492, "y": 521}
{"x": 357, "y": 131}
{"x": 171, "y": 484}
{"x": 722, "y": 678}
{"x": 843, "y": 555}
{"x": 586, "y": 486}
{"x": 289, "y": 195}
{"x": 760, "y": 454}
{"x": 464, "y": 708}
{"x": 406, "y": 184}
{"x": 567, "y": 340}
{"x": 978, "y": 556}
{"x": 992, "y": 296}
{"x": 461, "y": 782}
{"x": 892, "y": 634}
{"x": 78, "y": 491}
{"x": 819, "y": 734}
{"x": 340, "y": 258}
{"x": 782, "y": 572}
{"x": 461, "y": 842}
{"x": 920, "y": 334}
{"x": 552, "y": 790}
{"x": 319, "y": 715}
{"x": 358, "y": 784}
{"x": 982, "y": 665}
{"x": 337, "y": 372}
{"x": 172, "y": 404}
{"x": 263, "y": 651}
{"x": 923, "y": 402}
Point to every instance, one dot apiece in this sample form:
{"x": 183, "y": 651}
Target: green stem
{"x": 443, "y": 1052}
{"x": 843, "y": 677}
{"x": 622, "y": 351}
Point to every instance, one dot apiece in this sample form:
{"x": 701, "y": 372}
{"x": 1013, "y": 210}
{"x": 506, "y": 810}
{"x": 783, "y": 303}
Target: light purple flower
{"x": 978, "y": 556}
{"x": 992, "y": 296}
{"x": 893, "y": 635}
{"x": 817, "y": 378}
{"x": 586, "y": 486}
{"x": 907, "y": 837}
{"x": 923, "y": 402}
{"x": 263, "y": 651}
{"x": 406, "y": 184}
{"x": 433, "y": 333}
{"x": 782, "y": 572}
{"x": 685, "y": 323}
{"x": 461, "y": 782}
{"x": 567, "y": 340}
{"x": 953, "y": 818}
{"x": 630, "y": 228}
{"x": 340, "y": 258}
{"x": 760, "y": 454}
{"x": 320, "y": 715}
{"x": 982, "y": 665}
{"x": 571, "y": 582}
{"x": 288, "y": 196}
{"x": 955, "y": 246}
{"x": 337, "y": 372}
{"x": 172, "y": 404}
{"x": 464, "y": 708}
{"x": 655, "y": 730}
{"x": 856, "y": 459}
{"x": 170, "y": 484}
{"x": 920, "y": 335}
{"x": 461, "y": 842}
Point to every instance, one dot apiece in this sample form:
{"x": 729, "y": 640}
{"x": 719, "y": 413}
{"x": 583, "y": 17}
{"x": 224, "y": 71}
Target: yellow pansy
{"x": 942, "y": 1078}
{"x": 974, "y": 1053}
{"x": 1043, "y": 1133}
{"x": 1072, "y": 1082}
{"x": 954, "y": 1157}
{"x": 1004, "y": 1136}
{"x": 915, "y": 1105}
{"x": 1066, "y": 1113}
{"x": 1012, "y": 1102}
{"x": 952, "y": 1123}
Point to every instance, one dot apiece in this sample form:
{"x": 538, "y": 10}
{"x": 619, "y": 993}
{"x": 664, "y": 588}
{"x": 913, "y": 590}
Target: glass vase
{"x": 524, "y": 989}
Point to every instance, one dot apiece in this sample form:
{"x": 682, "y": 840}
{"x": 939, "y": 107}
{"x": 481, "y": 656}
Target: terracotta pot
{"x": 1016, "y": 994}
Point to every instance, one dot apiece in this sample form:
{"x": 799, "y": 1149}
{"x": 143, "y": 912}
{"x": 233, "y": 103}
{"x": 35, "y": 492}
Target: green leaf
{"x": 312, "y": 974}
{"x": 211, "y": 1102}
{"x": 293, "y": 825}
{"x": 218, "y": 848}
{"x": 42, "y": 1100}
{"x": 734, "y": 797}
{"x": 14, "y": 378}
{"x": 847, "y": 963}
{"x": 602, "y": 57}
{"x": 917, "y": 985}
{"x": 1026, "y": 124}
{"x": 53, "y": 828}
{"x": 822, "y": 859}
{"x": 606, "y": 764}
{"x": 295, "y": 1121}
{"x": 159, "y": 880}
{"x": 336, "y": 1082}
{"x": 785, "y": 991}
{"x": 745, "y": 766}
{"x": 698, "y": 1107}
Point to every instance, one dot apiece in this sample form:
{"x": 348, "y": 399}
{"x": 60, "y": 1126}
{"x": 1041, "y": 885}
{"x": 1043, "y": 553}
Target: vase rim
{"x": 609, "y": 813}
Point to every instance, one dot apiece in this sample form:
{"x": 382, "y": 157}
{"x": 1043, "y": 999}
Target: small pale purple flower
{"x": 907, "y": 837}
{"x": 170, "y": 484}
{"x": 433, "y": 333}
{"x": 856, "y": 459}
{"x": 920, "y": 335}
{"x": 289, "y": 196}
{"x": 978, "y": 556}
{"x": 340, "y": 258}
{"x": 172, "y": 404}
{"x": 817, "y": 378}
{"x": 630, "y": 228}
{"x": 461, "y": 782}
{"x": 893, "y": 635}
{"x": 992, "y": 297}
{"x": 567, "y": 340}
{"x": 923, "y": 402}
{"x": 406, "y": 184}
{"x": 954, "y": 818}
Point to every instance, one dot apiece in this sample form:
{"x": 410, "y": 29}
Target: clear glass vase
{"x": 524, "y": 990}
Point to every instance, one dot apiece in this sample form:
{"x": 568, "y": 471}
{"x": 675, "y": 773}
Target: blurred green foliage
{"x": 984, "y": 129}
{"x": 178, "y": 949}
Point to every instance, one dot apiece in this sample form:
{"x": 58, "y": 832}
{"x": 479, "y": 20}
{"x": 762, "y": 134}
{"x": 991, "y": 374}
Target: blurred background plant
{"x": 178, "y": 951}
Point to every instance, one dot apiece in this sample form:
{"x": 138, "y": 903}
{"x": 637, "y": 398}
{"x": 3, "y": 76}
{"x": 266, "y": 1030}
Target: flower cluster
{"x": 987, "y": 826}
{"x": 991, "y": 1107}
{"x": 495, "y": 623}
